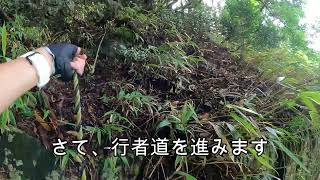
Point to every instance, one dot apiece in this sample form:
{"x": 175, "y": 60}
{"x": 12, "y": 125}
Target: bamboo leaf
{"x": 263, "y": 159}
{"x": 310, "y": 98}
{"x": 248, "y": 126}
{"x": 162, "y": 124}
{"x": 125, "y": 161}
{"x": 4, "y": 39}
{"x": 12, "y": 118}
{"x": 4, "y": 117}
{"x": 64, "y": 161}
{"x": 179, "y": 160}
{"x": 232, "y": 106}
{"x": 315, "y": 118}
{"x": 84, "y": 176}
{"x": 224, "y": 140}
{"x": 291, "y": 155}
{"x": 77, "y": 158}
{"x": 188, "y": 176}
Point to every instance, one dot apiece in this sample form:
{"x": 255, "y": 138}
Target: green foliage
{"x": 16, "y": 36}
{"x": 186, "y": 175}
{"x": 291, "y": 155}
{"x": 171, "y": 62}
{"x": 135, "y": 101}
{"x": 107, "y": 130}
{"x": 290, "y": 15}
{"x": 6, "y": 117}
{"x": 194, "y": 20}
{"x": 298, "y": 127}
{"x": 115, "y": 117}
{"x": 264, "y": 24}
{"x": 246, "y": 121}
{"x": 112, "y": 167}
{"x": 263, "y": 159}
{"x": 182, "y": 118}
{"x": 53, "y": 10}
{"x": 312, "y": 100}
{"x": 126, "y": 34}
{"x": 168, "y": 54}
{"x": 4, "y": 40}
{"x": 90, "y": 12}
{"x": 295, "y": 65}
{"x": 141, "y": 20}
{"x": 68, "y": 157}
{"x": 8, "y": 47}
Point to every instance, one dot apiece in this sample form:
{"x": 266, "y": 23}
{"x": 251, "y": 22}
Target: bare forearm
{"x": 16, "y": 77}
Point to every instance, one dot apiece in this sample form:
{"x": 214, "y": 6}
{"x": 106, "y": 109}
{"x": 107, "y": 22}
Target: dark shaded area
{"x": 26, "y": 154}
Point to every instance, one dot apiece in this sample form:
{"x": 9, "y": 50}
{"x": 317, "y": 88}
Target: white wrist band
{"x": 41, "y": 65}
{"x": 50, "y": 52}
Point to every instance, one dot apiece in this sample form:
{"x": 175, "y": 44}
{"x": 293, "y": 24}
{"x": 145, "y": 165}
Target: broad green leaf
{"x": 126, "y": 34}
{"x": 310, "y": 98}
{"x": 263, "y": 159}
{"x": 308, "y": 103}
{"x": 247, "y": 125}
{"x": 315, "y": 119}
{"x": 314, "y": 95}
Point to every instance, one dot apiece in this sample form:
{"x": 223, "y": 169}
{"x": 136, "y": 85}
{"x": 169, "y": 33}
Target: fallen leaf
{"x": 204, "y": 117}
{"x": 73, "y": 133}
{"x": 53, "y": 120}
{"x": 41, "y": 121}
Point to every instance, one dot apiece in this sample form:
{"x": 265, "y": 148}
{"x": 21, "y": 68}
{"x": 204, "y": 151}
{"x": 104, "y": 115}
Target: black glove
{"x": 64, "y": 54}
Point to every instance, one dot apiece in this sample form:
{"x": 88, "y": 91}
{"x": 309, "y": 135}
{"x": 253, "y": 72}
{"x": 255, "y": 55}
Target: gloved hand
{"x": 67, "y": 58}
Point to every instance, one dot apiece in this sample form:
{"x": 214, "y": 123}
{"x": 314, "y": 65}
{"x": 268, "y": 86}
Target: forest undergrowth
{"x": 159, "y": 73}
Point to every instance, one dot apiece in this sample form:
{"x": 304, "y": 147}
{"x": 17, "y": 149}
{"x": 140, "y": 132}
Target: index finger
{"x": 78, "y": 51}
{"x": 82, "y": 56}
